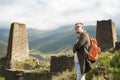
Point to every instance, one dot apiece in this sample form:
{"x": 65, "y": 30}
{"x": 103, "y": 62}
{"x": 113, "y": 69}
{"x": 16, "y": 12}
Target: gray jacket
{"x": 80, "y": 47}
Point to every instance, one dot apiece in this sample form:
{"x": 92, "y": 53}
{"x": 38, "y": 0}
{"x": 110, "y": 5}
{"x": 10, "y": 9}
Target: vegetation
{"x": 46, "y": 56}
{"x": 2, "y": 77}
{"x": 44, "y": 44}
{"x": 3, "y": 49}
{"x": 33, "y": 66}
{"x": 109, "y": 59}
{"x": 67, "y": 75}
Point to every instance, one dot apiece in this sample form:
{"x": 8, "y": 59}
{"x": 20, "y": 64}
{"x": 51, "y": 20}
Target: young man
{"x": 82, "y": 64}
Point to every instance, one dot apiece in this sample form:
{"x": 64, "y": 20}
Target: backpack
{"x": 94, "y": 50}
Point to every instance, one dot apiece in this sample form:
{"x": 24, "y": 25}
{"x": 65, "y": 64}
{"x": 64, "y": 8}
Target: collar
{"x": 79, "y": 35}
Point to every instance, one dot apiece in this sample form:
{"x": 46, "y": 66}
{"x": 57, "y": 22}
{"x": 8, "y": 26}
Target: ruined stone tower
{"x": 106, "y": 34}
{"x": 18, "y": 49}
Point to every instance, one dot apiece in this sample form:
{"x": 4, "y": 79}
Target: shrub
{"x": 115, "y": 62}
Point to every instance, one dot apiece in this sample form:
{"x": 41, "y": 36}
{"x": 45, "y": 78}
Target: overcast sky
{"x": 51, "y": 14}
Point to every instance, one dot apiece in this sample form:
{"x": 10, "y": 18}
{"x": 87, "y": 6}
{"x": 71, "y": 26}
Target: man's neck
{"x": 80, "y": 33}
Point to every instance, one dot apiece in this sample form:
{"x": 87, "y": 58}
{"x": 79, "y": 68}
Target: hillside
{"x": 52, "y": 40}
{"x": 109, "y": 59}
{"x": 4, "y": 33}
{"x": 33, "y": 34}
{"x": 3, "y": 49}
{"x": 60, "y": 39}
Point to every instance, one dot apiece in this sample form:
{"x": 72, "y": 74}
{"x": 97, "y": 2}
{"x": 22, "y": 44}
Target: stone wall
{"x": 61, "y": 63}
{"x": 106, "y": 34}
{"x": 24, "y": 75}
{"x": 18, "y": 49}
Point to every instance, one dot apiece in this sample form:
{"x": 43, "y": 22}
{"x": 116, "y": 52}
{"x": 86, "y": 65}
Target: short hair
{"x": 81, "y": 24}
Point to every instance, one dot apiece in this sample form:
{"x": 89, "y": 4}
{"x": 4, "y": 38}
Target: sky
{"x": 51, "y": 14}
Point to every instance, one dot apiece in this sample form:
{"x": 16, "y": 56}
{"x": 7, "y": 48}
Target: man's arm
{"x": 74, "y": 50}
{"x": 82, "y": 40}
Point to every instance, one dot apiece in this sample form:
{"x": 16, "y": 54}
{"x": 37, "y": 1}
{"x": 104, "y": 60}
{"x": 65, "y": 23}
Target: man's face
{"x": 78, "y": 28}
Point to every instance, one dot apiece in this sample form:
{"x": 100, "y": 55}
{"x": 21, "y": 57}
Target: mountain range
{"x": 52, "y": 40}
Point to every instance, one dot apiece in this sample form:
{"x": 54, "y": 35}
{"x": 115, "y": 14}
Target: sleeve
{"x": 74, "y": 49}
{"x": 82, "y": 40}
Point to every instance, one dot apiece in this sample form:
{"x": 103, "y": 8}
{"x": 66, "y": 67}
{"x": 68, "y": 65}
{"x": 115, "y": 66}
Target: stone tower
{"x": 18, "y": 49}
{"x": 106, "y": 34}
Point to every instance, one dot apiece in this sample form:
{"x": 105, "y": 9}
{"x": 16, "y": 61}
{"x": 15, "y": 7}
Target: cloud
{"x": 51, "y": 14}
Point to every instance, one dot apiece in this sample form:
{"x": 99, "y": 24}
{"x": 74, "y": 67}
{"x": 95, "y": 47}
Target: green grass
{"x": 35, "y": 66}
{"x": 2, "y": 77}
{"x": 66, "y": 75}
{"x": 109, "y": 59}
{"x": 3, "y": 49}
{"x": 47, "y": 56}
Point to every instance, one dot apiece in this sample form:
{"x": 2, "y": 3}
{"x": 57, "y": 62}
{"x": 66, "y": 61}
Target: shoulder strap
{"x": 90, "y": 41}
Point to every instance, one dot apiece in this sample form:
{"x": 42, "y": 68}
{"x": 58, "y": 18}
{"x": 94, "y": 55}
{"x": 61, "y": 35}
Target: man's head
{"x": 79, "y": 27}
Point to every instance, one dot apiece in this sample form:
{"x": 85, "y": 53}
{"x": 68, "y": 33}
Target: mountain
{"x": 52, "y": 40}
{"x": 118, "y": 33}
{"x": 59, "y": 39}
{"x": 3, "y": 49}
{"x": 33, "y": 34}
{"x": 4, "y": 33}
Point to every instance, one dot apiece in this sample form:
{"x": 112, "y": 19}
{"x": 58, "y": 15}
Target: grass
{"x": 109, "y": 59}
{"x": 66, "y": 75}
{"x": 3, "y": 49}
{"x": 47, "y": 56}
{"x": 2, "y": 77}
{"x": 33, "y": 65}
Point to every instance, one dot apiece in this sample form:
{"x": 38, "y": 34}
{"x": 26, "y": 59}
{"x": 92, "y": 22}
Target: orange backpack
{"x": 94, "y": 50}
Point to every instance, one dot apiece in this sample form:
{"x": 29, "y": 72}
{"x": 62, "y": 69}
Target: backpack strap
{"x": 90, "y": 41}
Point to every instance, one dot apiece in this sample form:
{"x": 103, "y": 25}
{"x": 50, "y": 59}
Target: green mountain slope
{"x": 52, "y": 40}
{"x": 33, "y": 34}
{"x": 60, "y": 39}
{"x": 3, "y": 49}
{"x": 4, "y": 33}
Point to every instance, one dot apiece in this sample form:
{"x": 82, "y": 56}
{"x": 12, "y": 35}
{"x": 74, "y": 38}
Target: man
{"x": 82, "y": 64}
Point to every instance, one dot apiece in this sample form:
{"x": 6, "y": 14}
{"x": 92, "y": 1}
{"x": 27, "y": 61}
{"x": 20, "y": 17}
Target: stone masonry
{"x": 18, "y": 49}
{"x": 61, "y": 63}
{"x": 106, "y": 34}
